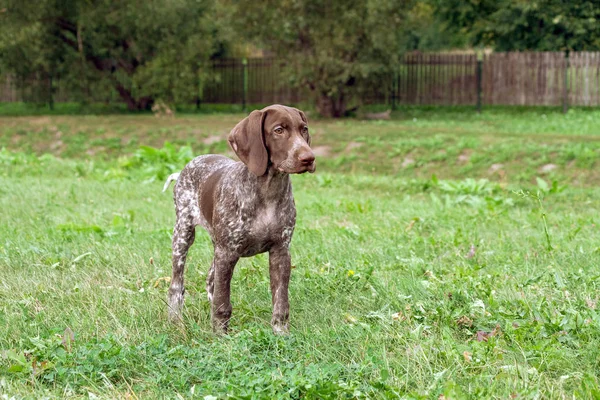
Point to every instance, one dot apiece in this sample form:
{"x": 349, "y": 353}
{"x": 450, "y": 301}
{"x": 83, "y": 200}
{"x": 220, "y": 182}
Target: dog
{"x": 247, "y": 207}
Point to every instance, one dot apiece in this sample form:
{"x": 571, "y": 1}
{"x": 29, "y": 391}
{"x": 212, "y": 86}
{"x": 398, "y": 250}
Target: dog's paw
{"x": 175, "y": 317}
{"x": 281, "y": 329}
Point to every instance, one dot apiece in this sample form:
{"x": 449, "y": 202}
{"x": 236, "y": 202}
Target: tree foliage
{"x": 144, "y": 50}
{"x": 426, "y": 31}
{"x": 547, "y": 25}
{"x": 332, "y": 48}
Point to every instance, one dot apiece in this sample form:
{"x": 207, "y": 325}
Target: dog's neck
{"x": 272, "y": 183}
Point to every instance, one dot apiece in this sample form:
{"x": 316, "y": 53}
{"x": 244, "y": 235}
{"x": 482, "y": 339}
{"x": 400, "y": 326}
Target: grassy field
{"x": 441, "y": 254}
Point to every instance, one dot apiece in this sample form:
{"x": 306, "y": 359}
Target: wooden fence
{"x": 436, "y": 79}
{"x": 255, "y": 80}
{"x": 513, "y": 78}
{"x": 524, "y": 79}
{"x": 584, "y": 79}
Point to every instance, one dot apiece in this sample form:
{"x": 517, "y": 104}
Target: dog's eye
{"x": 278, "y": 130}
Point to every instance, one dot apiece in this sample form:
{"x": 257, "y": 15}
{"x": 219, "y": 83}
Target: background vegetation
{"x": 159, "y": 49}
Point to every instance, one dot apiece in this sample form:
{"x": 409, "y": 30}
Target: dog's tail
{"x": 172, "y": 177}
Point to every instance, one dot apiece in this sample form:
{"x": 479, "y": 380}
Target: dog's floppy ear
{"x": 303, "y": 117}
{"x": 248, "y": 141}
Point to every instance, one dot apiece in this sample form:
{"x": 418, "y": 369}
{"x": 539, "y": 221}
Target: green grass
{"x": 434, "y": 278}
{"x": 15, "y": 109}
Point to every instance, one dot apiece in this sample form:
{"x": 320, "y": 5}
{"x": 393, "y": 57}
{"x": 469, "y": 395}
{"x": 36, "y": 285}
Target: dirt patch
{"x": 495, "y": 168}
{"x": 322, "y": 151}
{"x": 57, "y": 145}
{"x": 464, "y": 157}
{"x": 94, "y": 151}
{"x": 212, "y": 139}
{"x": 381, "y": 115}
{"x": 353, "y": 145}
{"x": 544, "y": 169}
{"x": 407, "y": 162}
{"x": 39, "y": 120}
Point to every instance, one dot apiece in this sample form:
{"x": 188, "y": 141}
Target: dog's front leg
{"x": 222, "y": 271}
{"x": 280, "y": 267}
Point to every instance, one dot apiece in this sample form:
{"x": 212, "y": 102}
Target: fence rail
{"x": 512, "y": 78}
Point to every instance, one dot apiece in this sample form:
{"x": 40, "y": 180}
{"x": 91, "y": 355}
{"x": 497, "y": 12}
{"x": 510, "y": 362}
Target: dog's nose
{"x": 307, "y": 157}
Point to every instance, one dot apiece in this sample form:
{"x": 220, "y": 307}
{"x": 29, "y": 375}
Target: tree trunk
{"x": 331, "y": 106}
{"x": 106, "y": 65}
{"x": 133, "y": 104}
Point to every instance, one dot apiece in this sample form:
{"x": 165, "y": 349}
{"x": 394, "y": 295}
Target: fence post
{"x": 50, "y": 93}
{"x": 394, "y": 87}
{"x": 245, "y": 77}
{"x": 199, "y": 93}
{"x": 566, "y": 84}
{"x": 479, "y": 80}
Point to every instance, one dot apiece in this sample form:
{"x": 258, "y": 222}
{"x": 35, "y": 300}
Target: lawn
{"x": 441, "y": 254}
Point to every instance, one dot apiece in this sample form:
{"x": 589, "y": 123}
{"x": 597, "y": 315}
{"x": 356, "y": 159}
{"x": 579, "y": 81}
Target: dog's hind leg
{"x": 210, "y": 282}
{"x": 183, "y": 238}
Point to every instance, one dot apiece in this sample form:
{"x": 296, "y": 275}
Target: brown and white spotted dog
{"x": 247, "y": 208}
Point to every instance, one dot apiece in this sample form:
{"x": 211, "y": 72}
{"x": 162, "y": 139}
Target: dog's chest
{"x": 266, "y": 218}
{"x": 270, "y": 224}
{"x": 271, "y": 220}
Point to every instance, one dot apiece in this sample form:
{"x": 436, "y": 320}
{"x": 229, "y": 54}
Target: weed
{"x": 158, "y": 163}
{"x": 538, "y": 198}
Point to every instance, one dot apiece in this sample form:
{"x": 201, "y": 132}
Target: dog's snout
{"x": 306, "y": 157}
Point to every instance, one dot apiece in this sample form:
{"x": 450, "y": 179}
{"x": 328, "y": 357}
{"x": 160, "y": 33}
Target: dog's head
{"x": 276, "y": 136}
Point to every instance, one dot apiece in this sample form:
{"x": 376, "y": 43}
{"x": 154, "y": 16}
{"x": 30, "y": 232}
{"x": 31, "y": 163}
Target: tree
{"x": 144, "y": 50}
{"x": 426, "y": 31}
{"x": 547, "y": 25}
{"x": 333, "y": 48}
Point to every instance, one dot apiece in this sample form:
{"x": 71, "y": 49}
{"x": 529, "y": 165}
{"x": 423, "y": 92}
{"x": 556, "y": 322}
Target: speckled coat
{"x": 246, "y": 207}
